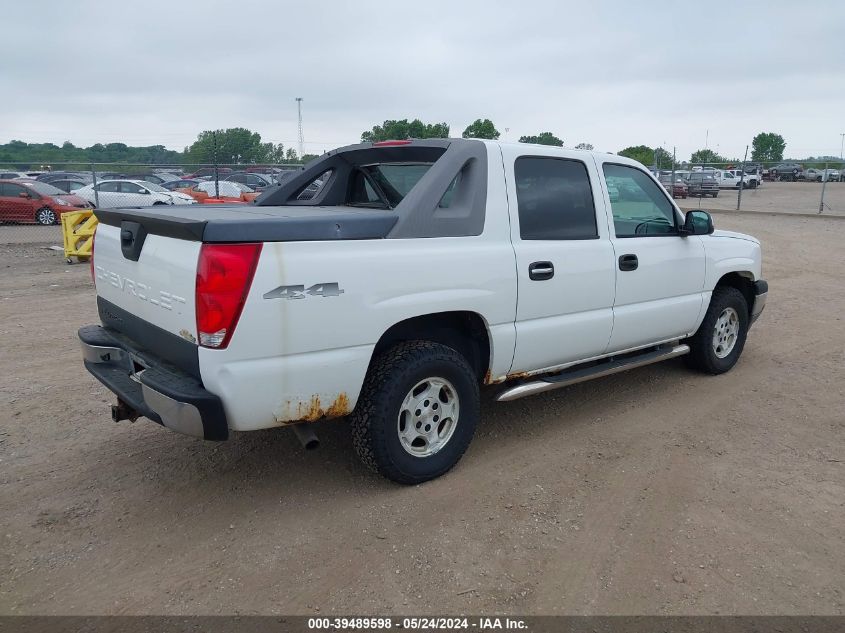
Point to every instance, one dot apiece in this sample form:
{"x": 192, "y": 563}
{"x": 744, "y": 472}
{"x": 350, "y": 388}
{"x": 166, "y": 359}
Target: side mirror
{"x": 697, "y": 223}
{"x": 23, "y": 194}
{"x": 144, "y": 191}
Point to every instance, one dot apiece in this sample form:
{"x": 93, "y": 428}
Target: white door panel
{"x": 661, "y": 298}
{"x": 569, "y": 316}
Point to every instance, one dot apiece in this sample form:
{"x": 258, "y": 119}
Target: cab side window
{"x": 131, "y": 187}
{"x": 555, "y": 199}
{"x": 640, "y": 206}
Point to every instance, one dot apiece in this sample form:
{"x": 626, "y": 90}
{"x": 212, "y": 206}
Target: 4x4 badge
{"x": 300, "y": 292}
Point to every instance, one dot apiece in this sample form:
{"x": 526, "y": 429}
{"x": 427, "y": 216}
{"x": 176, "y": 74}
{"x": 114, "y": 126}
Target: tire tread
{"x": 701, "y": 356}
{"x": 368, "y": 438}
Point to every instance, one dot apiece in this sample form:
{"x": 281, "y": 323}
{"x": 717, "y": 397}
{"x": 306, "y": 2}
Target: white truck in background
{"x": 750, "y": 181}
{"x": 386, "y": 283}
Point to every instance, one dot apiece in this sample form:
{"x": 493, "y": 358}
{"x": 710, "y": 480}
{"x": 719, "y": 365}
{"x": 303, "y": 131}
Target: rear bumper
{"x": 151, "y": 387}
{"x": 761, "y": 292}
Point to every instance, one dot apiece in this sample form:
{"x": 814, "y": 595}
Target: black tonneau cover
{"x": 250, "y": 223}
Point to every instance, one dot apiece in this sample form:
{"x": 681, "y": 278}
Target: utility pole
{"x": 741, "y": 179}
{"x": 824, "y": 183}
{"x": 672, "y": 190}
{"x": 216, "y": 175}
{"x": 301, "y": 135}
{"x": 841, "y": 145}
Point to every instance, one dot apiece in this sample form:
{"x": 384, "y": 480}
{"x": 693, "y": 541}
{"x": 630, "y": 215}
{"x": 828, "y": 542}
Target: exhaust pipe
{"x": 306, "y": 436}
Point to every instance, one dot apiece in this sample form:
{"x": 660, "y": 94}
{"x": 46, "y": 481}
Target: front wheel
{"x": 45, "y": 216}
{"x": 417, "y": 412}
{"x": 717, "y": 345}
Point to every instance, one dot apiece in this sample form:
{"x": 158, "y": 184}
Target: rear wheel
{"x": 717, "y": 345}
{"x": 417, "y": 413}
{"x": 45, "y": 216}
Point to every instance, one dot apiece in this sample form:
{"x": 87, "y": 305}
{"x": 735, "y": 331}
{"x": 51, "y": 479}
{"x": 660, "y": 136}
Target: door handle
{"x": 540, "y": 271}
{"x": 628, "y": 262}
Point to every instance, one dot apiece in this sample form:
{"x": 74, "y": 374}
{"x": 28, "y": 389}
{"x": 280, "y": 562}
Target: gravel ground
{"x": 657, "y": 491}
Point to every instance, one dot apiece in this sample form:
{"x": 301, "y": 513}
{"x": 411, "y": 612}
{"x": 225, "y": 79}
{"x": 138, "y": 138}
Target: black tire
{"x": 716, "y": 195}
{"x": 752, "y": 184}
{"x": 703, "y": 356}
{"x": 376, "y": 422}
{"x": 46, "y": 216}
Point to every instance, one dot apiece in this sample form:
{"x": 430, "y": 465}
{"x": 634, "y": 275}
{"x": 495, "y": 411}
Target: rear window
{"x": 43, "y": 188}
{"x": 385, "y": 185}
{"x": 555, "y": 199}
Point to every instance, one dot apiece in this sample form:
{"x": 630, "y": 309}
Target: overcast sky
{"x": 612, "y": 74}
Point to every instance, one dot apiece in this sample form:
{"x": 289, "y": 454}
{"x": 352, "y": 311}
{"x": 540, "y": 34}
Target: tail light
{"x": 91, "y": 259}
{"x": 224, "y": 276}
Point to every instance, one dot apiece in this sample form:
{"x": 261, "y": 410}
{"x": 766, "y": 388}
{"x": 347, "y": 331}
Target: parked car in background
{"x": 679, "y": 189}
{"x": 226, "y": 191}
{"x": 820, "y": 175}
{"x": 750, "y": 181}
{"x": 178, "y": 185}
{"x": 702, "y": 184}
{"x": 208, "y": 172}
{"x": 158, "y": 178}
{"x": 68, "y": 185}
{"x": 61, "y": 175}
{"x": 787, "y": 172}
{"x": 131, "y": 193}
{"x": 34, "y": 202}
{"x": 725, "y": 178}
{"x": 256, "y": 182}
{"x": 11, "y": 175}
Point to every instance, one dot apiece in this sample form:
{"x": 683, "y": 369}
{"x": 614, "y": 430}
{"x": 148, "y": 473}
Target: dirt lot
{"x": 658, "y": 491}
{"x": 779, "y": 197}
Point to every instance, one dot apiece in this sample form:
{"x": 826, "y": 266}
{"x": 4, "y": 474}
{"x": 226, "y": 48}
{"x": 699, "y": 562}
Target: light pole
{"x": 301, "y": 135}
{"x": 841, "y": 144}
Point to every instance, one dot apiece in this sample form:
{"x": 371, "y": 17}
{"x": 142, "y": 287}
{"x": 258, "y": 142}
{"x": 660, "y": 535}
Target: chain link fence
{"x": 33, "y": 197}
{"x": 774, "y": 187}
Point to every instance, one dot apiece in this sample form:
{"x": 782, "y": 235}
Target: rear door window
{"x": 555, "y": 199}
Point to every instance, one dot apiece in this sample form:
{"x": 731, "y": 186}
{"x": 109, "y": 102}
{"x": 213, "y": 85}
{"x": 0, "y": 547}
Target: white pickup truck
{"x": 386, "y": 283}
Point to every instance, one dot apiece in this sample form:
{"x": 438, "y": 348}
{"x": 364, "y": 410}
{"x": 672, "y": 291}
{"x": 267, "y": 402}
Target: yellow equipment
{"x": 78, "y": 231}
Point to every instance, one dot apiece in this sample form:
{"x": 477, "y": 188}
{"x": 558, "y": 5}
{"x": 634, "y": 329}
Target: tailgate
{"x": 153, "y": 281}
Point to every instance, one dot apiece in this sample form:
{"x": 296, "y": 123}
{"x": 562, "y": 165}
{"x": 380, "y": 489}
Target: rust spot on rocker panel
{"x": 309, "y": 411}
{"x": 339, "y": 407}
{"x": 517, "y": 375}
{"x": 293, "y": 412}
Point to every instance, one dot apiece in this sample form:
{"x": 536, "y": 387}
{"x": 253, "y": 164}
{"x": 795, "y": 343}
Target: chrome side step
{"x": 574, "y": 376}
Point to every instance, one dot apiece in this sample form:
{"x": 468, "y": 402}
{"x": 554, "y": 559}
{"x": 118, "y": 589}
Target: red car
{"x": 679, "y": 188}
{"x": 36, "y": 202}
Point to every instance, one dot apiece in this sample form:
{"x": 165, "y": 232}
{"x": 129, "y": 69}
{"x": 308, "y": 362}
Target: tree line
{"x": 242, "y": 146}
